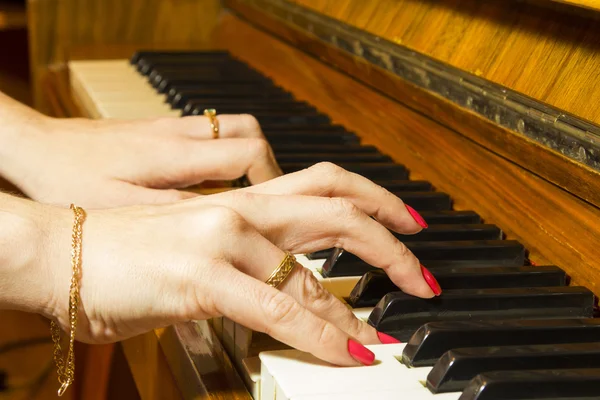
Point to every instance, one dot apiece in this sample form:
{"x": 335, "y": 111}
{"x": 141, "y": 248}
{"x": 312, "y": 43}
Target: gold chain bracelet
{"x": 66, "y": 369}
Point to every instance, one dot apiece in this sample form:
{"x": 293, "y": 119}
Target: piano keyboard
{"x": 502, "y": 329}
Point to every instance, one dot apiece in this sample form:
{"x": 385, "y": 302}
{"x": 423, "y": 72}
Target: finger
{"x": 198, "y": 127}
{"x": 329, "y": 180}
{"x": 265, "y": 309}
{"x": 300, "y": 284}
{"x": 303, "y": 224}
{"x": 191, "y": 162}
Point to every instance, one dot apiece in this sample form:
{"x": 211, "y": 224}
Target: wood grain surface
{"x": 587, "y": 4}
{"x": 539, "y": 51}
{"x": 551, "y": 165}
{"x": 56, "y": 26}
{"x": 555, "y": 226}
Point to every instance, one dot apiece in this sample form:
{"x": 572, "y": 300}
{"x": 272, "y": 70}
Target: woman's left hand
{"x": 109, "y": 163}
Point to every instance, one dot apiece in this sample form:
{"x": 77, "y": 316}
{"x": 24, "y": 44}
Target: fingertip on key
{"x": 431, "y": 281}
{"x": 360, "y": 353}
{"x": 387, "y": 339}
{"x": 417, "y": 217}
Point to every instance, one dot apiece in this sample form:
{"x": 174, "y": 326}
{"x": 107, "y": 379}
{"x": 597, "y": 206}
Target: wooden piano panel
{"x": 58, "y": 26}
{"x": 557, "y": 227}
{"x": 540, "y": 51}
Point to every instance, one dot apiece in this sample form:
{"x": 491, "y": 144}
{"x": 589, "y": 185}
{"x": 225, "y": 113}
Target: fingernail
{"x": 387, "y": 339}
{"x": 360, "y": 353}
{"x": 431, "y": 281}
{"x": 416, "y": 216}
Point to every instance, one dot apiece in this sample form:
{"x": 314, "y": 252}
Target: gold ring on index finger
{"x": 211, "y": 113}
{"x": 282, "y": 271}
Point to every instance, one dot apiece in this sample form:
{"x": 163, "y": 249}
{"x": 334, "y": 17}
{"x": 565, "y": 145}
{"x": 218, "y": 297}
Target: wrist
{"x": 20, "y": 135}
{"x": 26, "y": 275}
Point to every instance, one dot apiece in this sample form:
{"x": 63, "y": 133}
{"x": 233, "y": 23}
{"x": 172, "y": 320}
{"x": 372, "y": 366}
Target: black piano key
{"x": 301, "y": 128}
{"x": 199, "y": 71}
{"x": 145, "y": 60}
{"x": 548, "y": 384}
{"x": 449, "y": 217}
{"x": 426, "y": 201}
{"x": 432, "y": 340}
{"x": 280, "y": 109}
{"x": 332, "y": 157}
{"x": 284, "y": 148}
{"x": 457, "y": 367}
{"x": 493, "y": 253}
{"x": 374, "y": 171}
{"x": 166, "y": 84}
{"x": 437, "y": 217}
{"x": 453, "y": 232}
{"x": 216, "y": 97}
{"x": 225, "y": 87}
{"x": 375, "y": 284}
{"x": 400, "y": 186}
{"x": 291, "y": 119}
{"x": 400, "y": 315}
{"x": 313, "y": 138}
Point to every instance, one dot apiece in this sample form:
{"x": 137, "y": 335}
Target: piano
{"x": 481, "y": 115}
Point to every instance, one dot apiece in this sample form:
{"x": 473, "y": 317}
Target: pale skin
{"x": 154, "y": 255}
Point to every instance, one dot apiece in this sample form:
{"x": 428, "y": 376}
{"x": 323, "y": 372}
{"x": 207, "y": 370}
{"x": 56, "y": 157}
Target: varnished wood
{"x": 12, "y": 15}
{"x": 574, "y": 177}
{"x": 587, "y": 4}
{"x": 56, "y": 26}
{"x": 556, "y": 227}
{"x": 535, "y": 50}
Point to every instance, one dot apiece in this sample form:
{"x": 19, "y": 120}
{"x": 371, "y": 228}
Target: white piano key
{"x": 282, "y": 369}
{"x": 115, "y": 89}
{"x": 252, "y": 376}
{"x": 378, "y": 395}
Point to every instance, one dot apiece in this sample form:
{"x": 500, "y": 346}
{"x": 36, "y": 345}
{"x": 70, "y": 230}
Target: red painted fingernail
{"x": 387, "y": 339}
{"x": 416, "y": 216}
{"x": 360, "y": 353}
{"x": 431, "y": 281}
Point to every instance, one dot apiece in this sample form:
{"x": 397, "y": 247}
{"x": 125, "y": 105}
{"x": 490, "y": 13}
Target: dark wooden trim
{"x": 385, "y": 66}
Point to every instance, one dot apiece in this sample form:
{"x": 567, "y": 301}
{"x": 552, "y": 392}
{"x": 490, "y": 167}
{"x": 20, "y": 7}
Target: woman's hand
{"x": 108, "y": 163}
{"x": 150, "y": 266}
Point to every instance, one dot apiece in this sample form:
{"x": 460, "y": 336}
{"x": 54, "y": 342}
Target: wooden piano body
{"x": 494, "y": 103}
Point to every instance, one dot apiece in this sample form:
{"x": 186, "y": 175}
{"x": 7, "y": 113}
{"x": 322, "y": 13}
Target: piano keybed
{"x": 501, "y": 329}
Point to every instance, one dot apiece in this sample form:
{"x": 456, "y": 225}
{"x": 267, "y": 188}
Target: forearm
{"x": 20, "y": 128}
{"x": 25, "y": 278}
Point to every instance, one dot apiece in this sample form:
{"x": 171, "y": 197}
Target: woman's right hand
{"x": 146, "y": 267}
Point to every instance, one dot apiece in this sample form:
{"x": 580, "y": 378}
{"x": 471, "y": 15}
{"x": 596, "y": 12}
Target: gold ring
{"x": 211, "y": 113}
{"x": 282, "y": 271}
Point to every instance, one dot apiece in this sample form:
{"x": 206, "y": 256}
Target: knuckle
{"x": 344, "y": 207}
{"x": 312, "y": 291}
{"x": 280, "y": 308}
{"x": 328, "y": 170}
{"x": 327, "y": 334}
{"x": 250, "y": 124}
{"x": 402, "y": 250}
{"x": 221, "y": 220}
{"x": 260, "y": 147}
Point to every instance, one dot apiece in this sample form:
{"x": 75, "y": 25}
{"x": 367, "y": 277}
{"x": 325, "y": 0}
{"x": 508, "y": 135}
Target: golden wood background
{"x": 522, "y": 46}
{"x": 58, "y": 26}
